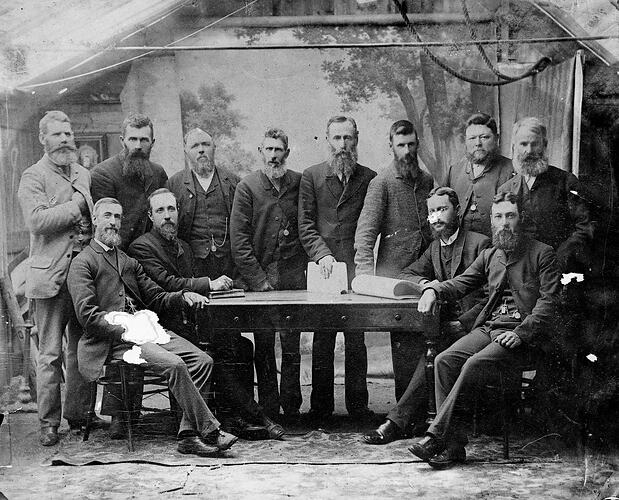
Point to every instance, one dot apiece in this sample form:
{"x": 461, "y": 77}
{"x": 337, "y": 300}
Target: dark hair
{"x": 482, "y": 119}
{"x": 451, "y": 194}
{"x": 52, "y": 116}
{"x": 342, "y": 119}
{"x": 277, "y": 133}
{"x": 137, "y": 120}
{"x": 105, "y": 201}
{"x": 506, "y": 196}
{"x": 402, "y": 127}
{"x": 157, "y": 192}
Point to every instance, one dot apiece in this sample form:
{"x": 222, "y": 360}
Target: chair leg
{"x": 91, "y": 410}
{"x": 124, "y": 390}
{"x": 505, "y": 416}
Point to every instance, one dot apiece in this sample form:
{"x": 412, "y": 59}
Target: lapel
{"x": 436, "y": 260}
{"x": 214, "y": 184}
{"x": 107, "y": 256}
{"x": 148, "y": 178}
{"x": 225, "y": 186}
{"x": 167, "y": 251}
{"x": 189, "y": 181}
{"x": 352, "y": 186}
{"x": 75, "y": 176}
{"x": 284, "y": 185}
{"x": 456, "y": 257}
{"x": 333, "y": 183}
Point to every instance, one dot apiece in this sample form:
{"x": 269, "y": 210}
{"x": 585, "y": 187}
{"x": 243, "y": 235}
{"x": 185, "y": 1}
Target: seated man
{"x": 169, "y": 262}
{"x": 523, "y": 284}
{"x": 453, "y": 250}
{"x": 105, "y": 279}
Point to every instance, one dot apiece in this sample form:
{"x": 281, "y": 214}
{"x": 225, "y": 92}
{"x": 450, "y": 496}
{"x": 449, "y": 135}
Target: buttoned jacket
{"x": 51, "y": 216}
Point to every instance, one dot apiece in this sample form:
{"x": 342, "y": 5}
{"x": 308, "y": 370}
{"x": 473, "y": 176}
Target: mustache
{"x": 63, "y": 148}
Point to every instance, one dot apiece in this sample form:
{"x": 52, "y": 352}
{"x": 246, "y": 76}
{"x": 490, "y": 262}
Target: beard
{"x": 203, "y": 166}
{"x": 531, "y": 164}
{"x": 481, "y": 156}
{"x": 446, "y": 230}
{"x": 506, "y": 239}
{"x": 64, "y": 154}
{"x": 408, "y": 166}
{"x": 342, "y": 161}
{"x": 109, "y": 236}
{"x": 168, "y": 231}
{"x": 275, "y": 170}
{"x": 134, "y": 163}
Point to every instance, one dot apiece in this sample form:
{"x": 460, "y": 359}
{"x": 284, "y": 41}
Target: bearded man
{"x": 205, "y": 192}
{"x": 395, "y": 208}
{"x": 477, "y": 177}
{"x": 554, "y": 209}
{"x": 269, "y": 256}
{"x": 331, "y": 196}
{"x": 54, "y": 194}
{"x": 130, "y": 176}
{"x": 523, "y": 283}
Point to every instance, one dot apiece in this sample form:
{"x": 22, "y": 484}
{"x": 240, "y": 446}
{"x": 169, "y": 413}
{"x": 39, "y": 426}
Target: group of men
{"x": 124, "y": 237}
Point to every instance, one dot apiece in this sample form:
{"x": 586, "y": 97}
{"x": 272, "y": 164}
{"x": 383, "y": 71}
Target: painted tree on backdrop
{"x": 211, "y": 109}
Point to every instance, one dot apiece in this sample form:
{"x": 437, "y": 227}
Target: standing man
{"x": 130, "y": 176}
{"x": 477, "y": 177}
{"x": 269, "y": 256}
{"x": 453, "y": 250}
{"x": 54, "y": 194}
{"x": 205, "y": 193}
{"x": 104, "y": 279}
{"x": 554, "y": 211}
{"x": 331, "y": 197}
{"x": 523, "y": 284}
{"x": 395, "y": 209}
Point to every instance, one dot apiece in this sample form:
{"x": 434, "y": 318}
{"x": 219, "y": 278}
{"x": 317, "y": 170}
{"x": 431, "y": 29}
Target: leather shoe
{"x": 427, "y": 448}
{"x": 448, "y": 458}
{"x": 222, "y": 440}
{"x": 49, "y": 436}
{"x": 193, "y": 445}
{"x": 386, "y": 433}
{"x": 80, "y": 425}
{"x": 275, "y": 430}
{"x": 117, "y": 428}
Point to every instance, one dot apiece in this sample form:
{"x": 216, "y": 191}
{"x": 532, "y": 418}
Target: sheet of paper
{"x": 337, "y": 283}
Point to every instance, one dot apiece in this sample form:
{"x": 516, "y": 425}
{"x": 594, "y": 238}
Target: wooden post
{"x": 5, "y": 330}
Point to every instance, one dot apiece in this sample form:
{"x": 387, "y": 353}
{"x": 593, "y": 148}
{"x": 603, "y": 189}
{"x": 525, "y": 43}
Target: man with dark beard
{"x": 479, "y": 174}
{"x": 554, "y": 209}
{"x": 331, "y": 197}
{"x": 130, "y": 176}
{"x": 54, "y": 194}
{"x": 205, "y": 192}
{"x": 395, "y": 208}
{"x": 523, "y": 284}
{"x": 103, "y": 279}
{"x": 269, "y": 256}
{"x": 453, "y": 250}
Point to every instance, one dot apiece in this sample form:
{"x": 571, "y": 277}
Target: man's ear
{"x": 42, "y": 138}
{"x": 286, "y": 154}
{"x": 150, "y": 214}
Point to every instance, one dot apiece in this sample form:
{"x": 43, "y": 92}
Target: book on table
{"x": 389, "y": 288}
{"x": 226, "y": 294}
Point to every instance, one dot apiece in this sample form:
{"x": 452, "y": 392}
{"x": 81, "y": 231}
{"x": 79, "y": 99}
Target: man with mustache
{"x": 523, "y": 283}
{"x": 269, "y": 256}
{"x": 205, "y": 192}
{"x": 130, "y": 176}
{"x": 54, "y": 194}
{"x": 104, "y": 279}
{"x": 477, "y": 177}
{"x": 395, "y": 209}
{"x": 331, "y": 197}
{"x": 168, "y": 261}
{"x": 554, "y": 209}
{"x": 453, "y": 250}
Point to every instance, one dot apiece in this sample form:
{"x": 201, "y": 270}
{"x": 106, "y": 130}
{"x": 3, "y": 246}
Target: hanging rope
{"x": 538, "y": 67}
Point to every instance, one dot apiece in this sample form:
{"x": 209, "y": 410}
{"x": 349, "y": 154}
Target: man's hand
{"x": 265, "y": 286}
{"x": 326, "y": 266}
{"x": 81, "y": 201}
{"x": 427, "y": 302}
{"x": 195, "y": 299}
{"x": 221, "y": 283}
{"x": 509, "y": 340}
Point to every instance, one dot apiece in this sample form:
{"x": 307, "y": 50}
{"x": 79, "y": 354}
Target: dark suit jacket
{"x": 98, "y": 286}
{"x": 107, "y": 181}
{"x": 258, "y": 213}
{"x": 466, "y": 249}
{"x": 327, "y": 222}
{"x": 531, "y": 273}
{"x": 182, "y": 184}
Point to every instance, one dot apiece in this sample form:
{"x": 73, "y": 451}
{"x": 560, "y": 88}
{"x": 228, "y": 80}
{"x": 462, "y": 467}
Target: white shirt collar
{"x": 205, "y": 182}
{"x": 104, "y": 246}
{"x": 451, "y": 239}
{"x": 530, "y": 179}
{"x": 340, "y": 177}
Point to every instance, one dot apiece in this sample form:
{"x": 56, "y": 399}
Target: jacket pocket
{"x": 40, "y": 262}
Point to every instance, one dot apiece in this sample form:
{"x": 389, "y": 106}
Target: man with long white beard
{"x": 523, "y": 284}
{"x": 331, "y": 196}
{"x": 130, "y": 176}
{"x": 205, "y": 192}
{"x": 553, "y": 205}
{"x": 54, "y": 194}
{"x": 395, "y": 209}
{"x": 103, "y": 279}
{"x": 269, "y": 256}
